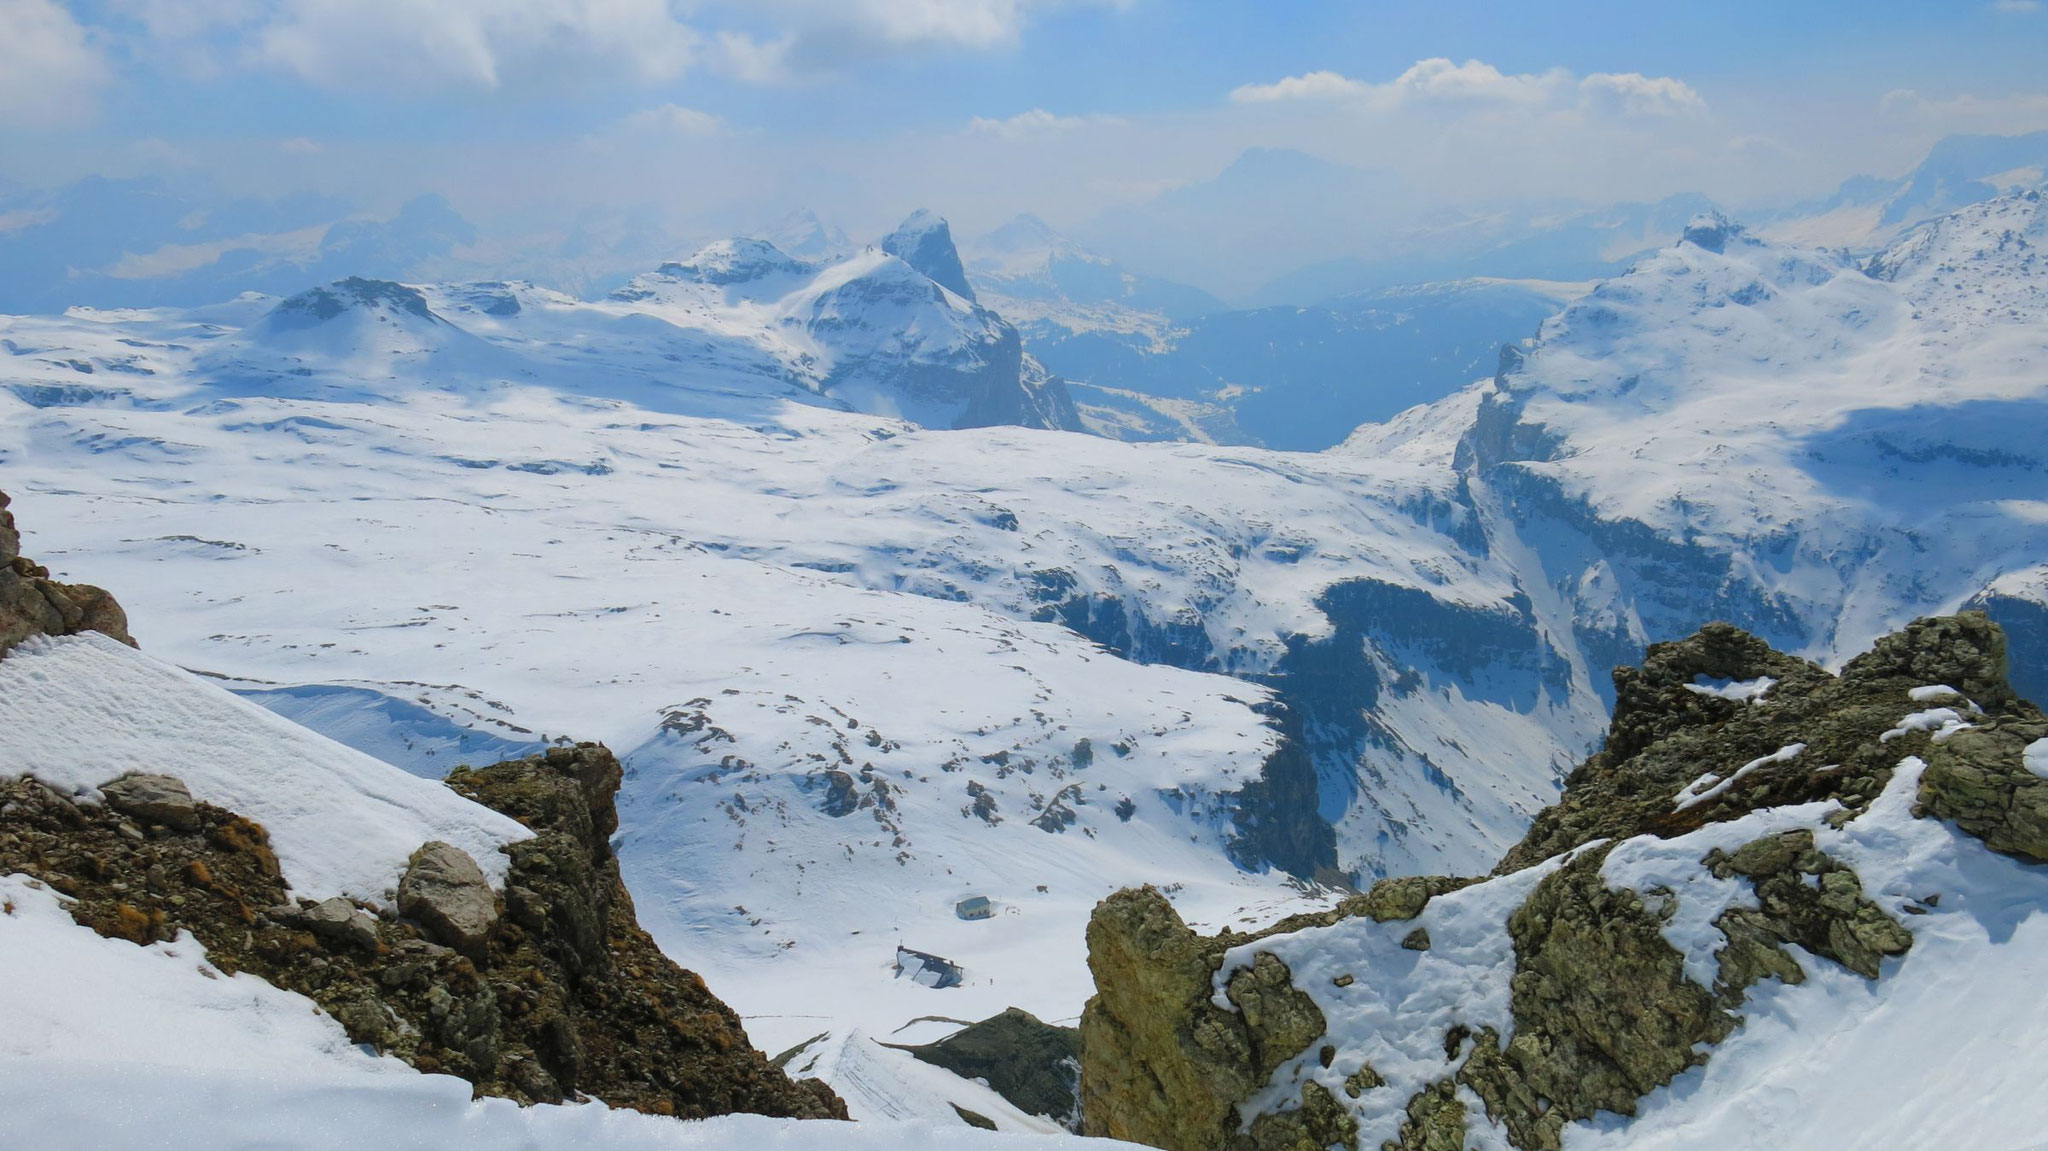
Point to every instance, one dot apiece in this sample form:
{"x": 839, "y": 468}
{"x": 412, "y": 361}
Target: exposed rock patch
{"x": 446, "y": 892}
{"x": 1668, "y": 731}
{"x": 1604, "y": 1007}
{"x": 31, "y": 603}
{"x": 564, "y": 998}
{"x": 1031, "y": 1063}
{"x": 159, "y": 799}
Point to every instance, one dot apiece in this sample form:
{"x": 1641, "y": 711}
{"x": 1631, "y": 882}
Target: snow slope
{"x": 80, "y": 711}
{"x": 1816, "y": 449}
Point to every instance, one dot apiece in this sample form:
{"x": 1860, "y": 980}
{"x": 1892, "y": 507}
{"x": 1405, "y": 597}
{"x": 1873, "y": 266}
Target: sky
{"x": 736, "y": 110}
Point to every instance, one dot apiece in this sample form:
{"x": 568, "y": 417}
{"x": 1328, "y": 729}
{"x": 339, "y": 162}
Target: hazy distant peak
{"x": 925, "y": 242}
{"x": 1712, "y": 231}
{"x": 1026, "y": 231}
{"x": 318, "y": 305}
{"x": 803, "y": 235}
{"x": 735, "y": 261}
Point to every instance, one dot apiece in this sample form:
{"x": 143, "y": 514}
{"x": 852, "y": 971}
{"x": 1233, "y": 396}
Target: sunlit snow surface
{"x": 742, "y": 606}
{"x": 500, "y": 525}
{"x": 80, "y": 711}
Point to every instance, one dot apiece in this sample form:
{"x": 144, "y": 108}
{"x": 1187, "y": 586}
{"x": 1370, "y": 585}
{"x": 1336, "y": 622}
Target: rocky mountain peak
{"x": 925, "y": 242}
{"x": 1712, "y": 231}
{"x": 316, "y": 305}
{"x": 736, "y": 261}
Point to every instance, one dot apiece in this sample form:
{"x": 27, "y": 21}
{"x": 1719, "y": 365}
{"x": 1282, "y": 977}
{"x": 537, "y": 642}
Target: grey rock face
{"x": 159, "y": 799}
{"x": 339, "y": 920}
{"x": 447, "y": 893}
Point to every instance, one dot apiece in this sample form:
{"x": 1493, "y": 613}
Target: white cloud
{"x": 795, "y": 39}
{"x": 405, "y": 46}
{"x": 1311, "y": 86}
{"x": 1635, "y": 94}
{"x": 50, "y": 72}
{"x": 1036, "y": 123}
{"x": 672, "y": 120}
{"x": 1441, "y": 81}
{"x": 2016, "y": 6}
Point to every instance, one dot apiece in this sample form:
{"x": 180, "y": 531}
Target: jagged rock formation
{"x": 562, "y": 996}
{"x": 1026, "y": 1060}
{"x": 31, "y": 603}
{"x": 1214, "y": 1043}
{"x": 925, "y": 242}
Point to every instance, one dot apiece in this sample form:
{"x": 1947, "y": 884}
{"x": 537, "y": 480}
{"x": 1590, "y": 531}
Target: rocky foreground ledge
{"x": 1750, "y": 816}
{"x": 552, "y": 993}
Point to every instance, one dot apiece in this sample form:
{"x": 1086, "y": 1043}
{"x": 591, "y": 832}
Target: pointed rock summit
{"x": 925, "y": 242}
{"x": 1711, "y": 230}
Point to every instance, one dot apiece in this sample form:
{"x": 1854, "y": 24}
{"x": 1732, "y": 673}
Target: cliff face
{"x": 31, "y": 603}
{"x": 1724, "y": 836}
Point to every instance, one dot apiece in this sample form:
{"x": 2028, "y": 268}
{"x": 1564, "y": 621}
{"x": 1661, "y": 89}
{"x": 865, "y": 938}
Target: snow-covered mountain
{"x": 1869, "y": 212}
{"x": 843, "y": 655}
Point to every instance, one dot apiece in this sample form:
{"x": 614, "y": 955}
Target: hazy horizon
{"x": 636, "y": 124}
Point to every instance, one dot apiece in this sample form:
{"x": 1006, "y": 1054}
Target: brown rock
{"x": 159, "y": 799}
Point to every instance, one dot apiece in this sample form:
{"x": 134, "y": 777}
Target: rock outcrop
{"x": 1602, "y": 1007}
{"x": 1026, "y": 1060}
{"x": 561, "y": 997}
{"x": 31, "y": 603}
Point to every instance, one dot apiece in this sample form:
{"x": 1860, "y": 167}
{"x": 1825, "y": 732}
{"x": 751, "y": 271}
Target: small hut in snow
{"x": 974, "y": 907}
{"x": 930, "y": 970}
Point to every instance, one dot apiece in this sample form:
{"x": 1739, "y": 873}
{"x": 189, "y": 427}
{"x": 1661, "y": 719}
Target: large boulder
{"x": 158, "y": 799}
{"x": 446, "y": 892}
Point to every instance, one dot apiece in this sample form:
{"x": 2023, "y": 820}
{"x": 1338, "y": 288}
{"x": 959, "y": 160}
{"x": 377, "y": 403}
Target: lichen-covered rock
{"x": 567, "y": 998}
{"x": 447, "y": 893}
{"x": 159, "y": 799}
{"x": 1603, "y": 1010}
{"x": 1436, "y": 1121}
{"x": 1979, "y": 780}
{"x": 1803, "y": 897}
{"x": 1318, "y": 1123}
{"x": 32, "y": 604}
{"x": 1667, "y": 732}
{"x": 1602, "y": 1007}
{"x": 1401, "y": 897}
{"x": 1151, "y": 1016}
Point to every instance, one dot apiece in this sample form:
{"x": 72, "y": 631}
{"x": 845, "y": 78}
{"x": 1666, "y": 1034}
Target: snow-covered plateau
{"x": 863, "y": 660}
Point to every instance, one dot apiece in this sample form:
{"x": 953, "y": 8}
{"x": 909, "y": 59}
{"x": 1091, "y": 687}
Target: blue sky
{"x": 988, "y": 107}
